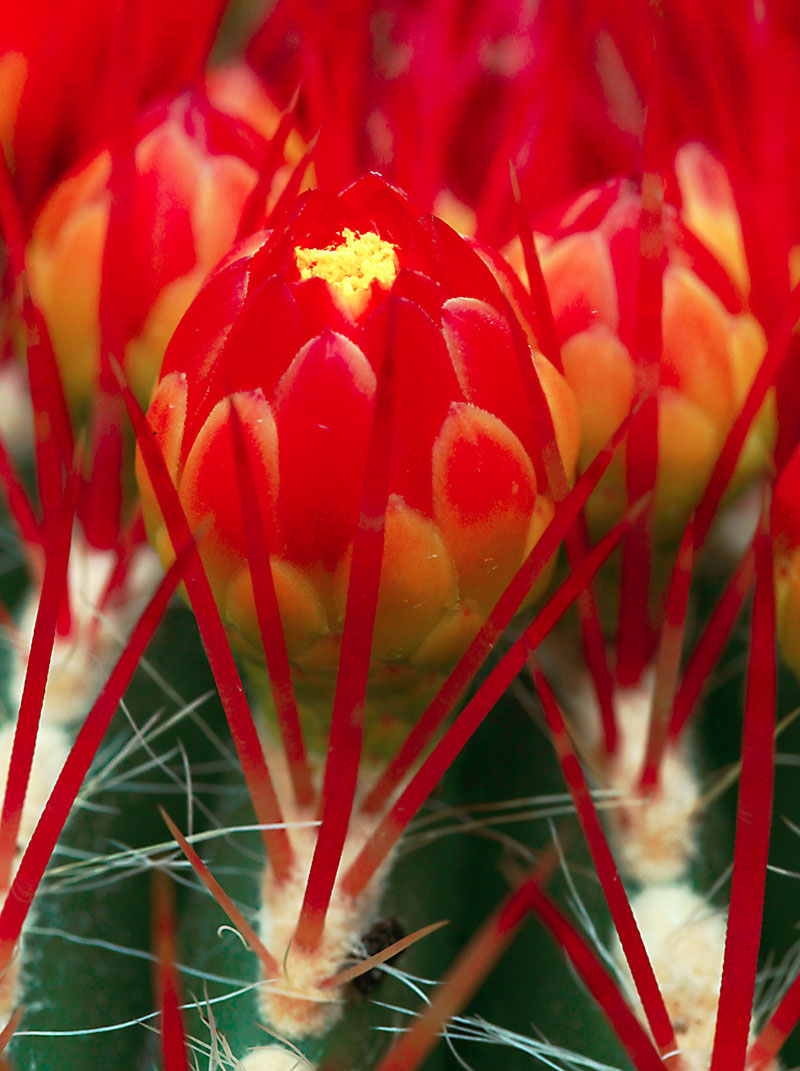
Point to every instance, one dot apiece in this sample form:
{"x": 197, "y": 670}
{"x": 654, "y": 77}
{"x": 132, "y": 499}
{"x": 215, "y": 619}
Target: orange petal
{"x": 564, "y": 411}
{"x": 225, "y": 183}
{"x": 144, "y": 354}
{"x": 748, "y": 344}
{"x": 688, "y": 445}
{"x": 600, "y": 372}
{"x": 449, "y": 638}
{"x": 696, "y": 350}
{"x": 418, "y": 582}
{"x": 302, "y": 613}
{"x": 64, "y": 277}
{"x": 581, "y": 284}
{"x": 542, "y": 515}
{"x": 13, "y": 72}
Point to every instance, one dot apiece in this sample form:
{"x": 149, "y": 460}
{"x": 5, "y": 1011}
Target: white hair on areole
{"x": 274, "y": 1058}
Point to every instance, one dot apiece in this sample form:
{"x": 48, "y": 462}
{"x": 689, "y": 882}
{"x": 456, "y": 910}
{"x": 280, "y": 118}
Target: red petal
{"x": 589, "y": 209}
{"x": 199, "y": 337}
{"x": 459, "y": 268}
{"x": 210, "y": 493}
{"x": 581, "y": 284}
{"x": 322, "y": 406}
{"x": 319, "y": 220}
{"x": 263, "y": 341}
{"x": 317, "y": 310}
{"x": 785, "y": 514}
{"x": 166, "y": 417}
{"x": 421, "y": 289}
{"x": 384, "y": 209}
{"x": 486, "y": 362}
{"x": 167, "y": 169}
{"x": 425, "y": 386}
{"x": 484, "y": 491}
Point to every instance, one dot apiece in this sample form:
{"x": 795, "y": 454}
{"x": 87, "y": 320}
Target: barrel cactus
{"x": 400, "y": 555}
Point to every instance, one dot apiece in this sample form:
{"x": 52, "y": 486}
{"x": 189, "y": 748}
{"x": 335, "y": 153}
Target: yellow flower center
{"x": 351, "y": 267}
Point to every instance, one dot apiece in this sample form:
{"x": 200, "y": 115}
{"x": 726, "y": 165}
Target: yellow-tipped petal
{"x": 600, "y": 372}
{"x": 484, "y": 489}
{"x": 564, "y": 410}
{"x": 64, "y": 265}
{"x": 580, "y": 281}
{"x": 209, "y": 487}
{"x": 449, "y": 639}
{"x": 696, "y": 336}
{"x": 709, "y": 209}
{"x": 688, "y": 445}
{"x": 418, "y": 582}
{"x": 302, "y": 613}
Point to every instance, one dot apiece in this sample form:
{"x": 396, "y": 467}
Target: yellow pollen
{"x": 351, "y": 267}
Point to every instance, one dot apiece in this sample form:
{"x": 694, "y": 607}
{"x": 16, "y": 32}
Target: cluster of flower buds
{"x": 710, "y": 348}
{"x": 294, "y": 336}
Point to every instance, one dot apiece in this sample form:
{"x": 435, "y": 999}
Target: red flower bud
{"x": 181, "y": 206}
{"x": 68, "y": 72}
{"x": 294, "y": 335}
{"x": 711, "y": 344}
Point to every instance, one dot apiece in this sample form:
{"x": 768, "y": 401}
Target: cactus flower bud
{"x": 786, "y": 534}
{"x": 68, "y": 72}
{"x": 293, "y": 335}
{"x": 711, "y": 347}
{"x": 194, "y": 167}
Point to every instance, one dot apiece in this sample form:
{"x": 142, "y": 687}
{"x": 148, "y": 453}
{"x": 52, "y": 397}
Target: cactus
{"x": 405, "y": 674}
